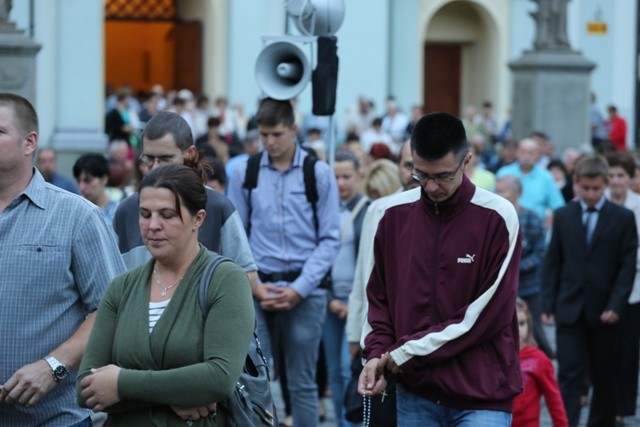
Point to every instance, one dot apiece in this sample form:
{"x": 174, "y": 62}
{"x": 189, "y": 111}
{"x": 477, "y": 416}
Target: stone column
{"x": 552, "y": 83}
{"x": 17, "y": 57}
{"x": 75, "y": 93}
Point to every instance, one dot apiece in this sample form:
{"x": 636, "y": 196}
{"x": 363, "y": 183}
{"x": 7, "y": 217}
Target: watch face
{"x": 60, "y": 373}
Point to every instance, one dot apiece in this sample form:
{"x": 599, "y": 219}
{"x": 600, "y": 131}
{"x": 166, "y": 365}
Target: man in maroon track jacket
{"x": 442, "y": 292}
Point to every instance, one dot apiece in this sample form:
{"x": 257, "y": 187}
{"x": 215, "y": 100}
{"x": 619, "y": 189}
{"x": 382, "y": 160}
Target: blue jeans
{"x": 338, "y": 363}
{"x": 298, "y": 332}
{"x": 416, "y": 411}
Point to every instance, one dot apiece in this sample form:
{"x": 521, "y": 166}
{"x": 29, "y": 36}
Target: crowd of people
{"x": 435, "y": 248}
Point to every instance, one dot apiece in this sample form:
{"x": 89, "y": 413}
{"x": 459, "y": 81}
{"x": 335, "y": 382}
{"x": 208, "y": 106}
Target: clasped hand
{"x": 194, "y": 414}
{"x": 372, "y": 380}
{"x": 275, "y": 298}
{"x": 608, "y": 317}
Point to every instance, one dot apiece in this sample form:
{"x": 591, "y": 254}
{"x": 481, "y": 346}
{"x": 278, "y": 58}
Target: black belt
{"x": 291, "y": 276}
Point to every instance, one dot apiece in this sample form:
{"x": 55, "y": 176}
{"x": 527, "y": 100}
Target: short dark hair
{"x": 93, "y": 164}
{"x": 624, "y": 160}
{"x": 213, "y": 122}
{"x": 185, "y": 181}
{"x": 591, "y": 166}
{"x": 272, "y": 112}
{"x": 557, "y": 163}
{"x": 437, "y": 134}
{"x": 347, "y": 156}
{"x": 24, "y": 111}
{"x": 165, "y": 123}
{"x": 216, "y": 172}
{"x": 539, "y": 134}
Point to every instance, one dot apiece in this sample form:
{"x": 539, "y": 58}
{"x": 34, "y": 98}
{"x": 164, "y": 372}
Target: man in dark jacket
{"x": 588, "y": 273}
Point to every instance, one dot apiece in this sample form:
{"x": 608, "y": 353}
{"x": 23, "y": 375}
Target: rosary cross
{"x": 384, "y": 394}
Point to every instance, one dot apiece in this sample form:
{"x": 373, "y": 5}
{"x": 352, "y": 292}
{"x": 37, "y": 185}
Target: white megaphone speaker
{"x": 316, "y": 17}
{"x": 282, "y": 70}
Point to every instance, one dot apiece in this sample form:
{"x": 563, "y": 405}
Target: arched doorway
{"x": 461, "y": 57}
{"x": 146, "y": 43}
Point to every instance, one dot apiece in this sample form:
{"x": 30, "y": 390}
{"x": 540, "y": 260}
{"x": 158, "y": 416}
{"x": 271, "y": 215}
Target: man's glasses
{"x": 149, "y": 160}
{"x": 440, "y": 178}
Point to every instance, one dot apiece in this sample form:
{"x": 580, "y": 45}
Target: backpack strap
{"x": 310, "y": 188}
{"x": 251, "y": 182}
{"x": 207, "y": 274}
{"x": 309, "y": 172}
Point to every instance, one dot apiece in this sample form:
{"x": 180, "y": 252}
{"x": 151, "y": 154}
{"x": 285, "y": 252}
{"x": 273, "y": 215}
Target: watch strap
{"x": 58, "y": 369}
{"x": 53, "y": 362}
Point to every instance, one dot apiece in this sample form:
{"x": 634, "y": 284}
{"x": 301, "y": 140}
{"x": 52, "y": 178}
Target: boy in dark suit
{"x": 588, "y": 274}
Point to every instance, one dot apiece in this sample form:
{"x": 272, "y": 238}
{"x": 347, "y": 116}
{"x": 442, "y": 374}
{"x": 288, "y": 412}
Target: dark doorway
{"x": 146, "y": 43}
{"x": 442, "y": 64}
{"x": 187, "y": 38}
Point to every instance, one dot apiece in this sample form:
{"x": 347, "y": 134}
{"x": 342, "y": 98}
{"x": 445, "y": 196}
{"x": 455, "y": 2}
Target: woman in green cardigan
{"x": 152, "y": 359}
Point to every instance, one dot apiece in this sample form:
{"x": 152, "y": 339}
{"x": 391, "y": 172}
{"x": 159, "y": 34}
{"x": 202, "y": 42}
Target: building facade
{"x": 386, "y": 47}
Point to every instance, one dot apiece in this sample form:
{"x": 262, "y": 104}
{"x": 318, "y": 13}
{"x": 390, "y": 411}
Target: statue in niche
{"x": 5, "y": 8}
{"x": 551, "y": 24}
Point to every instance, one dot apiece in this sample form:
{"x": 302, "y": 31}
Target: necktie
{"x": 589, "y": 223}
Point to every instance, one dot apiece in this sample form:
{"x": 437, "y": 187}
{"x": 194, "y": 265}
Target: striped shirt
{"x": 57, "y": 256}
{"x": 155, "y": 311}
{"x": 283, "y": 237}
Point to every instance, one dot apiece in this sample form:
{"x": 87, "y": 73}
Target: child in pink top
{"x": 538, "y": 379}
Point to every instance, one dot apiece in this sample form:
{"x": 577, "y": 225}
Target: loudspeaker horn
{"x": 282, "y": 70}
{"x": 316, "y": 17}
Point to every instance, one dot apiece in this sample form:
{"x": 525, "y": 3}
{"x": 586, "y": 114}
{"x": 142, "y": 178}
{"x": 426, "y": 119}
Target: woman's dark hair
{"x": 557, "y": 163}
{"x": 185, "y": 181}
{"x": 216, "y": 172}
{"x": 92, "y": 164}
{"x": 624, "y": 160}
{"x": 437, "y": 134}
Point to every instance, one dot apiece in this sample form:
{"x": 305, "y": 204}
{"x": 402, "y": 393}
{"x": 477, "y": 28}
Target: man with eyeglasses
{"x": 442, "y": 292}
{"x": 166, "y": 138}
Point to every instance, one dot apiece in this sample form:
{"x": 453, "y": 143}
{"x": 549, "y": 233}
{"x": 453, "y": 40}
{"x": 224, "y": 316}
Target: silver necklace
{"x": 165, "y": 289}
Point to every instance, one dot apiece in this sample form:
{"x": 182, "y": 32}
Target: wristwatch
{"x": 58, "y": 369}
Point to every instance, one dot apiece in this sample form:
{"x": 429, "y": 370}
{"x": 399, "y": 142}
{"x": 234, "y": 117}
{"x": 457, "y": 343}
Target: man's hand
{"x": 264, "y": 291}
{"x": 194, "y": 414}
{"x": 100, "y": 388}
{"x": 547, "y": 319}
{"x": 338, "y": 308}
{"x": 372, "y": 380}
{"x": 279, "y": 299}
{"x": 28, "y": 384}
{"x": 609, "y": 317}
{"x": 389, "y": 363}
